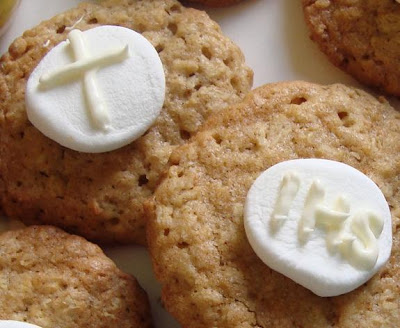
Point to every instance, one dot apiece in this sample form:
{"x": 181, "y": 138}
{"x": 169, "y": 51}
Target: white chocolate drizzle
{"x": 69, "y": 28}
{"x": 352, "y": 234}
{"x": 287, "y": 191}
{"x": 357, "y": 240}
{"x": 86, "y": 65}
{"x": 307, "y": 221}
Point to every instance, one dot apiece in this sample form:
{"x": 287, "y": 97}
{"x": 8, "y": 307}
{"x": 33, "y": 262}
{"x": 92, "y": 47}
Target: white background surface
{"x": 273, "y": 36}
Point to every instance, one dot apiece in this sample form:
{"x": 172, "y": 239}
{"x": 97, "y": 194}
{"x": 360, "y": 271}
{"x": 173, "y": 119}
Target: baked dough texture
{"x": 210, "y": 275}
{"x": 100, "y": 196}
{"x": 54, "y": 280}
{"x": 214, "y": 3}
{"x": 360, "y": 37}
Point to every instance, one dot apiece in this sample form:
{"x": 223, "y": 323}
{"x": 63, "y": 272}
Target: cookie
{"x": 360, "y": 37}
{"x": 54, "y": 279}
{"x": 214, "y": 3}
{"x": 100, "y": 196}
{"x": 211, "y": 276}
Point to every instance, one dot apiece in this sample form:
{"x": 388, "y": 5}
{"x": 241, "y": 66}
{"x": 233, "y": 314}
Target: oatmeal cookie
{"x": 100, "y": 196}
{"x": 214, "y": 3}
{"x": 360, "y": 37}
{"x": 211, "y": 276}
{"x": 54, "y": 279}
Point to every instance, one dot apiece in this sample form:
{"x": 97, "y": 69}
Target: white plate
{"x": 273, "y": 36}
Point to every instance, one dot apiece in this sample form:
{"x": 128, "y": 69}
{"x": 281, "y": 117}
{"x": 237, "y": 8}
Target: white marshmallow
{"x": 16, "y": 324}
{"x": 131, "y": 90}
{"x": 332, "y": 250}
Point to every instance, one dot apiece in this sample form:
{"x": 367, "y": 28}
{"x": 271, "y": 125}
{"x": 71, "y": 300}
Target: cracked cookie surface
{"x": 360, "y": 37}
{"x": 100, "y": 196}
{"x": 211, "y": 277}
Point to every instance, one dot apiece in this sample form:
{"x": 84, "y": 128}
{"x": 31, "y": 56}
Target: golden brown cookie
{"x": 211, "y": 276}
{"x": 100, "y": 196}
{"x": 53, "y": 279}
{"x": 213, "y": 3}
{"x": 360, "y": 37}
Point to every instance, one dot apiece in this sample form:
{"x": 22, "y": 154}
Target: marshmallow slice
{"x": 322, "y": 223}
{"x": 97, "y": 91}
{"x": 16, "y": 324}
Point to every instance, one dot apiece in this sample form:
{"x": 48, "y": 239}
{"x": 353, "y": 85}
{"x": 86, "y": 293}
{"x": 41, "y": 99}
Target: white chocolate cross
{"x": 86, "y": 65}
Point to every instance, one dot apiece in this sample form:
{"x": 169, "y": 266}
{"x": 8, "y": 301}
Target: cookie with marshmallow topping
{"x": 101, "y": 195}
{"x": 211, "y": 275}
{"x": 322, "y": 223}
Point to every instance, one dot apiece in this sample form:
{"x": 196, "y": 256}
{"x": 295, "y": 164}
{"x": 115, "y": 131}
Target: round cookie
{"x": 100, "y": 196}
{"x": 360, "y": 37}
{"x": 53, "y": 279}
{"x": 211, "y": 276}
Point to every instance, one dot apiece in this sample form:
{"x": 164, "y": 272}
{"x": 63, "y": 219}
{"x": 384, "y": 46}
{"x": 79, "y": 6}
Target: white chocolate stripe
{"x": 74, "y": 70}
{"x": 97, "y": 107}
{"x": 287, "y": 192}
{"x": 307, "y": 221}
